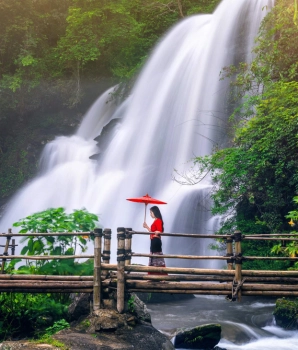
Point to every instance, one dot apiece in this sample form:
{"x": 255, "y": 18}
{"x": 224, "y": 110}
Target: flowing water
{"x": 248, "y": 325}
{"x": 178, "y": 109}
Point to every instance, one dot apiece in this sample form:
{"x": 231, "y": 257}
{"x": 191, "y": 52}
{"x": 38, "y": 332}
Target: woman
{"x": 155, "y": 246}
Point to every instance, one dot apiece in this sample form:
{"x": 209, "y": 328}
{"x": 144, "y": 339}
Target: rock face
{"x": 141, "y": 337}
{"x": 138, "y": 308}
{"x": 80, "y": 306}
{"x": 201, "y": 337}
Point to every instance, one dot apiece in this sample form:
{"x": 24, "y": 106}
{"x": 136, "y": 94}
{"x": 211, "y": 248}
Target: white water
{"x": 177, "y": 110}
{"x": 248, "y": 325}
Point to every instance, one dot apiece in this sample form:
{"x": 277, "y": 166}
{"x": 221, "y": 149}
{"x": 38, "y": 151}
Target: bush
{"x": 28, "y": 314}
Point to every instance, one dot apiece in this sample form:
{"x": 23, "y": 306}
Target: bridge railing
{"x": 114, "y": 280}
{"x": 260, "y": 282}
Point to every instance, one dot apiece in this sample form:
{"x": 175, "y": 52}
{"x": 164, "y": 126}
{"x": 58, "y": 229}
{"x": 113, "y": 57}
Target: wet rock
{"x": 138, "y": 308}
{"x": 80, "y": 306}
{"x": 201, "y": 337}
{"x": 141, "y": 337}
{"x": 107, "y": 320}
{"x": 286, "y": 313}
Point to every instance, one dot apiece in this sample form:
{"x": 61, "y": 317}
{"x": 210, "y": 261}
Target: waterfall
{"x": 177, "y": 110}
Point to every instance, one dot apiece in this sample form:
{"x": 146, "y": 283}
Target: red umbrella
{"x": 146, "y": 200}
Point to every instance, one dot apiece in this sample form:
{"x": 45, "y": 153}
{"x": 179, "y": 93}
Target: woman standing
{"x": 155, "y": 239}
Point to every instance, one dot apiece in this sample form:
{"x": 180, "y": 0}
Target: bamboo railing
{"x": 113, "y": 281}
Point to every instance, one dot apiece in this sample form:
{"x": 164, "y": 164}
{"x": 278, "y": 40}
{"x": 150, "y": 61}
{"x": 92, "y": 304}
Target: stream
{"x": 247, "y": 325}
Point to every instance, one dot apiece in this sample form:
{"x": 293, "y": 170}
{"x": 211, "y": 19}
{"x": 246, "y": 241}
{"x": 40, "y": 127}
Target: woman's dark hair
{"x": 155, "y": 210}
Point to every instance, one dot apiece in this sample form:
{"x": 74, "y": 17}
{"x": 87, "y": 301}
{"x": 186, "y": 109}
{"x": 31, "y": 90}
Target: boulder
{"x": 137, "y": 307}
{"x": 286, "y": 313}
{"x": 140, "y": 337}
{"x": 200, "y": 337}
{"x": 80, "y": 305}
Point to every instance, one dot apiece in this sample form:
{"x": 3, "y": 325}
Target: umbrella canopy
{"x": 146, "y": 200}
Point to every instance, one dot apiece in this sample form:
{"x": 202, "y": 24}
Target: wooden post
{"x": 106, "y": 254}
{"x": 97, "y": 269}
{"x": 120, "y": 268}
{"x": 13, "y": 246}
{"x": 5, "y": 253}
{"x": 229, "y": 242}
{"x": 238, "y": 261}
{"x": 128, "y": 237}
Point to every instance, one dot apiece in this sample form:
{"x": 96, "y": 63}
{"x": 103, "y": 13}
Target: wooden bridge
{"x": 110, "y": 282}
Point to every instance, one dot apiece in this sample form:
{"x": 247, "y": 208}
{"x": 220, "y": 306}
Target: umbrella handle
{"x": 145, "y": 211}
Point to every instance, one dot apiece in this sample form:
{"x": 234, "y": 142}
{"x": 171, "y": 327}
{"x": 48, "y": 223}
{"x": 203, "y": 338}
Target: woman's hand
{"x": 146, "y": 226}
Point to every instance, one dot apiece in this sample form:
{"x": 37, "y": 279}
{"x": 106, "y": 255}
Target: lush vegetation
{"x": 55, "y": 220}
{"x": 42, "y": 314}
{"x": 24, "y": 315}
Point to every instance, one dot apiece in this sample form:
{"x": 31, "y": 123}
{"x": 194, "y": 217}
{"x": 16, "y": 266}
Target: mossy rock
{"x": 286, "y": 313}
{"x": 200, "y": 337}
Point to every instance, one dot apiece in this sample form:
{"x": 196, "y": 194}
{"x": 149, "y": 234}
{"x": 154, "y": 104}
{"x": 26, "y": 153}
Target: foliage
{"x": 55, "y": 44}
{"x": 29, "y": 32}
{"x": 258, "y": 175}
{"x": 34, "y": 311}
{"x": 289, "y": 248}
{"x": 55, "y": 220}
{"x": 286, "y": 313}
{"x": 39, "y": 311}
{"x": 131, "y": 304}
{"x": 57, "y": 326}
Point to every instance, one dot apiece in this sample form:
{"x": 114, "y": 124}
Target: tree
{"x": 258, "y": 175}
{"x": 29, "y": 32}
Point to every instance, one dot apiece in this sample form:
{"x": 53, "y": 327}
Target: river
{"x": 246, "y": 325}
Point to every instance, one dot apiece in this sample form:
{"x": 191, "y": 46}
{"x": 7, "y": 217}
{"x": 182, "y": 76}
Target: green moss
{"x": 51, "y": 341}
{"x": 85, "y": 323}
{"x": 286, "y": 313}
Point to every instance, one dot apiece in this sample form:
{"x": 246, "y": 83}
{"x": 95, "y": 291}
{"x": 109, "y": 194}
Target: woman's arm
{"x": 146, "y": 226}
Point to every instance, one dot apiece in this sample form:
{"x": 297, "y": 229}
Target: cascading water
{"x": 177, "y": 110}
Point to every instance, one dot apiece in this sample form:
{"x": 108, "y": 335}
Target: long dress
{"x": 156, "y": 247}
